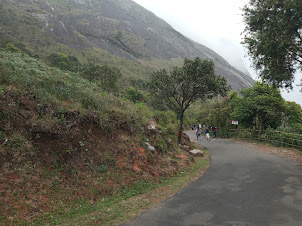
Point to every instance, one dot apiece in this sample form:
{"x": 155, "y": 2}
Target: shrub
{"x": 64, "y": 62}
{"x": 134, "y": 95}
{"x": 107, "y": 76}
{"x": 10, "y": 47}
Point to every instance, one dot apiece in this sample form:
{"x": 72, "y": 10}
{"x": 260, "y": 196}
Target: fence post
{"x": 281, "y": 139}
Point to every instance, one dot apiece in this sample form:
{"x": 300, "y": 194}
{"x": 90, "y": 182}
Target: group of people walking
{"x": 199, "y": 130}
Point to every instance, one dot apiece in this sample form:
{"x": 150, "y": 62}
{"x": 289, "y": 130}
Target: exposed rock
{"x": 69, "y": 125}
{"x": 151, "y": 127}
{"x": 196, "y": 152}
{"x": 185, "y": 147}
{"x": 141, "y": 152}
{"x": 41, "y": 109}
{"x": 150, "y": 147}
{"x": 37, "y": 128}
{"x": 24, "y": 113}
{"x": 190, "y": 157}
{"x": 136, "y": 167}
{"x": 172, "y": 161}
{"x": 185, "y": 141}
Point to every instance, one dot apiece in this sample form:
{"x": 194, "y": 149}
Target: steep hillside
{"x": 63, "y": 140}
{"x": 116, "y": 32}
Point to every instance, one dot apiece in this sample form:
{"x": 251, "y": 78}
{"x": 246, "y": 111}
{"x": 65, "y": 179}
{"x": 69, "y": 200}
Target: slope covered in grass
{"x": 63, "y": 139}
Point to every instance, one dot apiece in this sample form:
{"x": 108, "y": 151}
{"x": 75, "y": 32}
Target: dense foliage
{"x": 181, "y": 87}
{"x": 258, "y": 107}
{"x": 273, "y": 38}
{"x": 64, "y": 62}
{"x": 261, "y": 106}
{"x": 107, "y": 76}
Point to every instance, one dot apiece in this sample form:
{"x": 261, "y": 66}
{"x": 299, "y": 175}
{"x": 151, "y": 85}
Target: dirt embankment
{"x": 50, "y": 158}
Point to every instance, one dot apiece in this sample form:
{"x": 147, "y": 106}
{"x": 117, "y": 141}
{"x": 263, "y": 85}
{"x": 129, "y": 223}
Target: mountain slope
{"x": 114, "y": 28}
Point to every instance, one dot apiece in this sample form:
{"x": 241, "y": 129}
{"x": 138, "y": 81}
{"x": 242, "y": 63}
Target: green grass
{"x": 51, "y": 85}
{"x": 127, "y": 203}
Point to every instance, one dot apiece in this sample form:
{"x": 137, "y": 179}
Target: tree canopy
{"x": 261, "y": 106}
{"x": 107, "y": 76}
{"x": 180, "y": 87}
{"x": 273, "y": 37}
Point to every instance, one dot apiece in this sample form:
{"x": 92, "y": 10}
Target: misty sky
{"x": 216, "y": 24}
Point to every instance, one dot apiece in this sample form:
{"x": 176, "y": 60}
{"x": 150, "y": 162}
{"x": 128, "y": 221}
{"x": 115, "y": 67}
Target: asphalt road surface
{"x": 243, "y": 186}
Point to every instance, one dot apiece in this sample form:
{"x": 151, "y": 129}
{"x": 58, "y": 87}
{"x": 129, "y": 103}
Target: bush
{"x": 64, "y": 62}
{"x": 134, "y": 95}
{"x": 105, "y": 75}
{"x": 10, "y": 47}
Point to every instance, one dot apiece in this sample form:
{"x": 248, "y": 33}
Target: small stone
{"x": 151, "y": 127}
{"x": 185, "y": 147}
{"x": 150, "y": 147}
{"x": 196, "y": 152}
{"x": 25, "y": 114}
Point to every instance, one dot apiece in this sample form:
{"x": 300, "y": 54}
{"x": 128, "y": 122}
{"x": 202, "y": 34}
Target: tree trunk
{"x": 181, "y": 120}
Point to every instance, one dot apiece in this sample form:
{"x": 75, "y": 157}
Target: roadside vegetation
{"x": 262, "y": 108}
{"x": 74, "y": 138}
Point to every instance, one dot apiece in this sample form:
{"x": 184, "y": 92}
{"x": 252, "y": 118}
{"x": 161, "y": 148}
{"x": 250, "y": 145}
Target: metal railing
{"x": 277, "y": 138}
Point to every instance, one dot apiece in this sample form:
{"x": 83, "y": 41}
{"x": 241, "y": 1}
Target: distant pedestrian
{"x": 214, "y": 129}
{"x": 207, "y": 134}
{"x": 198, "y": 133}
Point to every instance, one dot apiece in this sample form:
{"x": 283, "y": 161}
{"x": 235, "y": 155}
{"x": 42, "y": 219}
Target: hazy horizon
{"x": 217, "y": 24}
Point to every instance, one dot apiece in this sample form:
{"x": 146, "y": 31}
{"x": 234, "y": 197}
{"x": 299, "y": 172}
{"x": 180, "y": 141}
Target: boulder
{"x": 196, "y": 152}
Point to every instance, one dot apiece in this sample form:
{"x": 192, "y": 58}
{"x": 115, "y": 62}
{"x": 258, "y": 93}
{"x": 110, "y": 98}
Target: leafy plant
{"x": 64, "y": 62}
{"x": 103, "y": 168}
{"x": 261, "y": 106}
{"x": 273, "y": 38}
{"x": 10, "y": 47}
{"x": 183, "y": 86}
{"x": 2, "y": 92}
{"x": 134, "y": 95}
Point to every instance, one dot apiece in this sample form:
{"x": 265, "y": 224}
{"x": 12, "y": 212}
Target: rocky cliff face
{"x": 122, "y": 28}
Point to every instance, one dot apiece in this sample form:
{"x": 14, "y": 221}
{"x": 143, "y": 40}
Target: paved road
{"x": 243, "y": 186}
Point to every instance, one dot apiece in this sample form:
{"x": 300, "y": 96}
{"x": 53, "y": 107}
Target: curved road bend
{"x": 243, "y": 186}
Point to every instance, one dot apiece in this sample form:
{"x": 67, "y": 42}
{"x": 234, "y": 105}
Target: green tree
{"x": 181, "y": 87}
{"x": 273, "y": 38}
{"x": 293, "y": 117}
{"x": 12, "y": 48}
{"x": 106, "y": 75}
{"x": 220, "y": 114}
{"x": 261, "y": 106}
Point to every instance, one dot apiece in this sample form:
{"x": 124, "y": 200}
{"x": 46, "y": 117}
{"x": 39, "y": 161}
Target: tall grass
{"x": 51, "y": 85}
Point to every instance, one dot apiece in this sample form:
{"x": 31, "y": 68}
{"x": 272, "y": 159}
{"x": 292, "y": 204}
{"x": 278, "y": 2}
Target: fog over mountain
{"x": 218, "y": 24}
{"x": 120, "y": 27}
